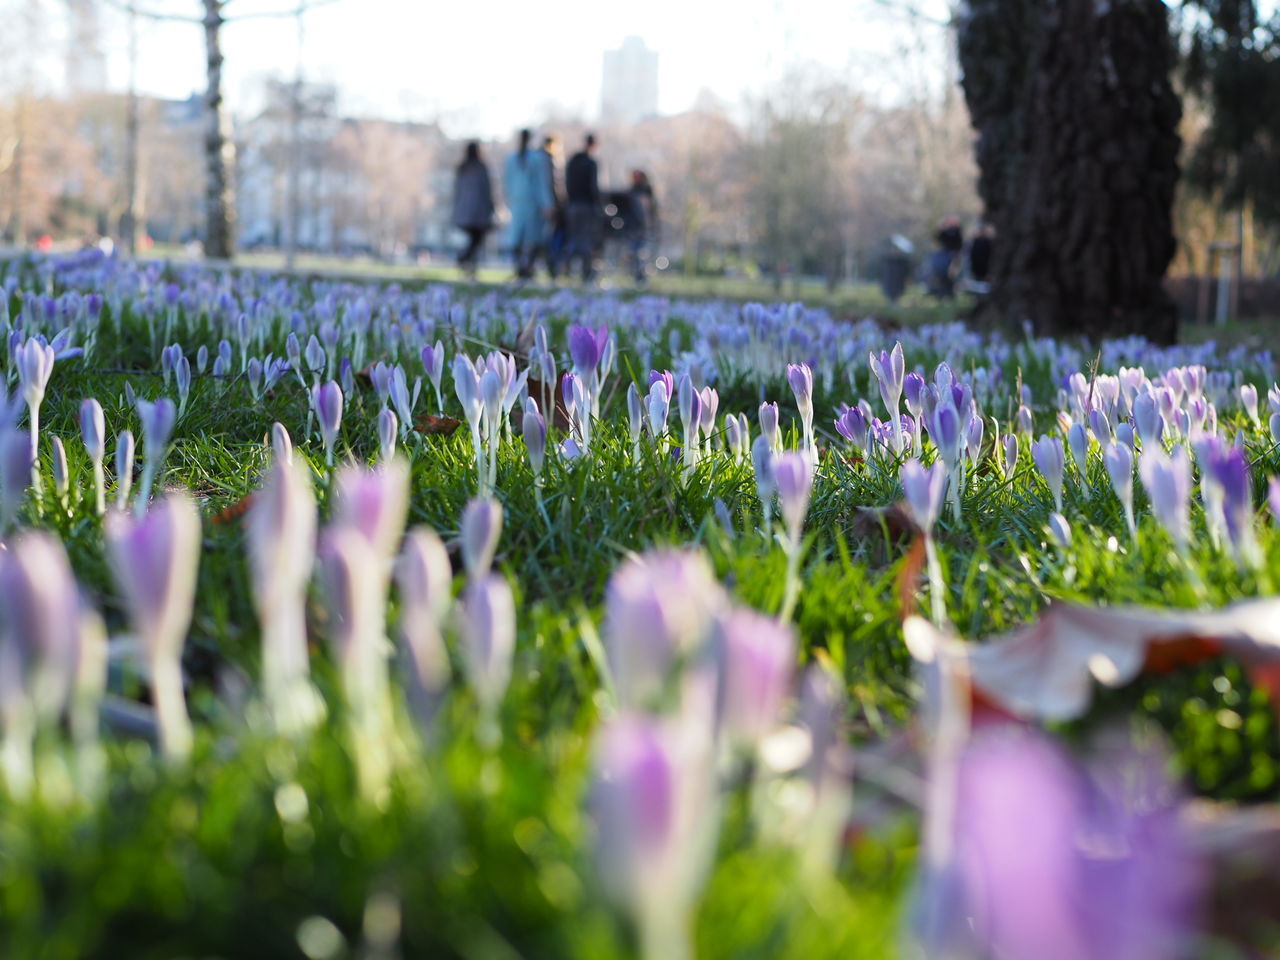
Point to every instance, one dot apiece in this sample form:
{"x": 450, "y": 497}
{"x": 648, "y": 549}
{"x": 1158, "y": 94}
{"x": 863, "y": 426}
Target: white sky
{"x": 487, "y": 68}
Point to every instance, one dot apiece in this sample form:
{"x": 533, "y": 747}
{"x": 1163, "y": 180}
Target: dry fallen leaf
{"x": 1046, "y": 670}
{"x": 430, "y": 424}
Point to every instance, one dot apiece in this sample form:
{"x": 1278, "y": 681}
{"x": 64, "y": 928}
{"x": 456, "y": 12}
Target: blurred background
{"x": 791, "y": 146}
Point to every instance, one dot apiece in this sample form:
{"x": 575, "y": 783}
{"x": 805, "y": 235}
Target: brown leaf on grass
{"x": 235, "y": 511}
{"x": 1046, "y": 670}
{"x": 430, "y": 424}
{"x": 541, "y": 390}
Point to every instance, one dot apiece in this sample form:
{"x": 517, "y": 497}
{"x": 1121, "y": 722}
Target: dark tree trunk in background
{"x": 1078, "y": 145}
{"x": 219, "y": 148}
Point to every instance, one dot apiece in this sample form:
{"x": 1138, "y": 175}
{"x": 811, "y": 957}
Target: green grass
{"x": 488, "y": 854}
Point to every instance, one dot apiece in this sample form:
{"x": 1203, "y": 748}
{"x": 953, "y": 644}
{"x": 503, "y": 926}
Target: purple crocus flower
{"x": 1010, "y": 454}
{"x": 1273, "y": 497}
{"x": 374, "y": 502}
{"x": 157, "y": 418}
{"x": 1078, "y": 441}
{"x": 424, "y": 578}
{"x": 387, "y": 426}
{"x": 93, "y": 430}
{"x": 890, "y": 372}
{"x": 1118, "y": 459}
{"x": 1147, "y": 418}
{"x": 658, "y": 609}
{"x": 154, "y": 558}
{"x": 756, "y": 655}
{"x": 709, "y": 404}
{"x": 1024, "y": 422}
{"x": 653, "y": 802}
{"x": 1050, "y": 459}
{"x": 43, "y": 616}
{"x": 1060, "y": 530}
{"x": 769, "y": 426}
{"x": 635, "y": 416}
{"x": 281, "y": 537}
{"x": 585, "y": 347}
{"x": 1167, "y": 480}
{"x": 924, "y": 489}
{"x": 481, "y": 526}
{"x": 534, "y": 429}
{"x": 489, "y": 642}
{"x": 658, "y": 408}
{"x": 1054, "y": 862}
{"x": 326, "y": 401}
{"x": 124, "y": 467}
{"x": 1227, "y": 468}
{"x": 666, "y": 377}
{"x": 793, "y": 479}
{"x": 800, "y": 376}
{"x": 914, "y": 389}
{"x": 944, "y": 429}
{"x": 852, "y": 425}
{"x": 34, "y": 360}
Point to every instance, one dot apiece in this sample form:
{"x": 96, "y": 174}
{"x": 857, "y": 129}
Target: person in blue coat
{"x": 526, "y": 180}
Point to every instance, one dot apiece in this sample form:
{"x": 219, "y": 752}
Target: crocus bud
{"x": 153, "y": 559}
{"x": 1146, "y": 415}
{"x": 42, "y": 614}
{"x": 652, "y": 800}
{"x": 913, "y": 391}
{"x": 1078, "y": 440}
{"x": 635, "y": 413}
{"x": 424, "y": 577}
{"x": 93, "y": 429}
{"x": 202, "y": 358}
{"x": 534, "y": 429}
{"x": 658, "y": 607}
{"x": 61, "y": 480}
{"x": 281, "y": 442}
{"x": 281, "y": 537}
{"x": 585, "y": 347}
{"x": 489, "y": 642}
{"x": 924, "y": 489}
{"x": 1060, "y": 530}
{"x": 1024, "y": 421}
{"x": 762, "y": 463}
{"x": 1167, "y": 480}
{"x": 757, "y": 654}
{"x": 707, "y": 409}
{"x": 481, "y": 526}
{"x": 973, "y": 437}
{"x": 793, "y": 479}
{"x": 124, "y": 467}
{"x": 1273, "y": 497}
{"x": 944, "y": 429}
{"x": 388, "y": 425}
{"x": 659, "y": 404}
{"x": 800, "y": 376}
{"x": 733, "y": 435}
{"x": 1274, "y": 424}
{"x": 769, "y": 426}
{"x": 1119, "y": 462}
{"x": 326, "y": 401}
{"x": 1050, "y": 459}
{"x": 1010, "y": 454}
{"x": 375, "y": 503}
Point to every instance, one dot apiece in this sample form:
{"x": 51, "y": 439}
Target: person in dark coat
{"x": 642, "y": 228}
{"x": 582, "y": 191}
{"x": 472, "y": 205}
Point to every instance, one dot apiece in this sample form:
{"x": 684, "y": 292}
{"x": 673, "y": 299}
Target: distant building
{"x": 629, "y": 86}
{"x": 86, "y": 64}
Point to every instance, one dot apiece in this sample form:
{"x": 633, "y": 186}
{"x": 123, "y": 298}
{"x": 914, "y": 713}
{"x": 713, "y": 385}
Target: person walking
{"x": 642, "y": 229}
{"x": 472, "y": 206}
{"x": 553, "y": 250}
{"x": 582, "y": 191}
{"x": 526, "y": 181}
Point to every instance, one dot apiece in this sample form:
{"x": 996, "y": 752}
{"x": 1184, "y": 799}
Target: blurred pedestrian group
{"x": 562, "y": 222}
{"x": 952, "y": 265}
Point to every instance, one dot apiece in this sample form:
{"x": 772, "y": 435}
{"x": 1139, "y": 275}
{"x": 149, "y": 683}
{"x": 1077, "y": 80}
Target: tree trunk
{"x": 1077, "y": 148}
{"x": 219, "y": 148}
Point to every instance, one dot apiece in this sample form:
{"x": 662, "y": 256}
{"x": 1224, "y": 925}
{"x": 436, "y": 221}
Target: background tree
{"x": 1077, "y": 126}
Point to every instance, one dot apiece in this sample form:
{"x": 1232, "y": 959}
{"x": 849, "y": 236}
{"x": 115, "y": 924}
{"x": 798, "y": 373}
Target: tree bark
{"x": 1077, "y": 122}
{"x": 220, "y": 151}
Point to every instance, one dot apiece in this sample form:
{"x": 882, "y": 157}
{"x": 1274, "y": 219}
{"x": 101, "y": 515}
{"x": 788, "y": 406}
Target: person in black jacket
{"x": 582, "y": 191}
{"x": 472, "y": 206}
